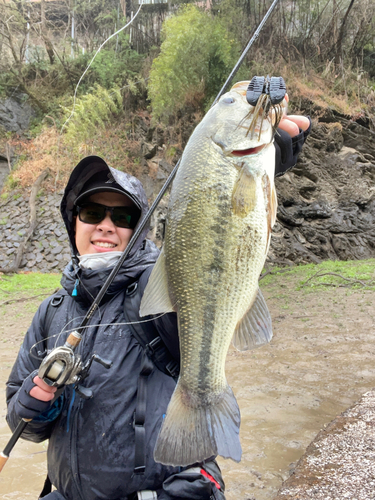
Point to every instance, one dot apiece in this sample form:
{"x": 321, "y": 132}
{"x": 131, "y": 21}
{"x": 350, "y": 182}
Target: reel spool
{"x": 60, "y": 367}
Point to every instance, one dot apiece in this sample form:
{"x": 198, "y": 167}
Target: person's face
{"x": 104, "y": 236}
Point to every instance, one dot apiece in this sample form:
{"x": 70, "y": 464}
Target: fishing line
{"x": 52, "y": 336}
{"x": 70, "y": 330}
{"x": 63, "y": 329}
{"x": 95, "y": 305}
{"x": 88, "y": 291}
{"x": 92, "y": 60}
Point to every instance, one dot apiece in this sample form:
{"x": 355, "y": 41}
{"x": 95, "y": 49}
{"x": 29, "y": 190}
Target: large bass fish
{"x": 221, "y": 211}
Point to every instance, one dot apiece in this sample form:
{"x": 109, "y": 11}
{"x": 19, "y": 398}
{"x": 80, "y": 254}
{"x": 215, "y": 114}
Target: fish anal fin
{"x": 244, "y": 192}
{"x": 156, "y": 298}
{"x": 193, "y": 433}
{"x": 255, "y": 328}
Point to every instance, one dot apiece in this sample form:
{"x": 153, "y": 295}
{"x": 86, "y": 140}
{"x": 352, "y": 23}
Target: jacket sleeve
{"x": 199, "y": 482}
{"x": 32, "y": 348}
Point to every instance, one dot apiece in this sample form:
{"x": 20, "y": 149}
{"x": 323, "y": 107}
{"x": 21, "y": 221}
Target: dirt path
{"x": 319, "y": 363}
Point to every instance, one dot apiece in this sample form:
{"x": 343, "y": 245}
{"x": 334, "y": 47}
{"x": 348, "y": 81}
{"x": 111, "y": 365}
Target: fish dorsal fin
{"x": 255, "y": 328}
{"x": 156, "y": 297}
{"x": 244, "y": 192}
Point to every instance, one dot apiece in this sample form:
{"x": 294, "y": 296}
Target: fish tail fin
{"x": 193, "y": 433}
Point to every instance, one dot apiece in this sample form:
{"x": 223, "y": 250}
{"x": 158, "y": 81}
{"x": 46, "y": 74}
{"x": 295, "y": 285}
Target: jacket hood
{"x": 88, "y": 168}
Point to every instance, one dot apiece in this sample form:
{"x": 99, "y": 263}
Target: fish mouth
{"x": 247, "y": 152}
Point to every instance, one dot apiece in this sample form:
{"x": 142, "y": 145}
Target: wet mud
{"x": 319, "y": 363}
{"x": 24, "y": 473}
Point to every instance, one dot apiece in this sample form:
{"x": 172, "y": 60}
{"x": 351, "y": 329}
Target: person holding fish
{"x": 102, "y": 436}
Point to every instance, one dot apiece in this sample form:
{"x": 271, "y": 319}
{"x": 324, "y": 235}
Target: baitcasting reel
{"x": 63, "y": 367}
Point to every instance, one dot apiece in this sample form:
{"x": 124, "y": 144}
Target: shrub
{"x": 196, "y": 56}
{"x": 92, "y": 111}
{"x": 112, "y": 67}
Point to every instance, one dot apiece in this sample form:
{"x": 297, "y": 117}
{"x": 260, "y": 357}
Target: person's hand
{"x": 34, "y": 397}
{"x": 289, "y": 139}
{"x": 293, "y": 123}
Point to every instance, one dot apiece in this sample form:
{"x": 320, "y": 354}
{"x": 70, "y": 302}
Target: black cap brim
{"x": 101, "y": 189}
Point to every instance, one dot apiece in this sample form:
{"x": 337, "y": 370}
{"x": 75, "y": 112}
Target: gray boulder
{"x": 15, "y": 114}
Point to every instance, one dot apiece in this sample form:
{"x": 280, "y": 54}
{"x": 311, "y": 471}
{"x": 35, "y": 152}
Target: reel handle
{"x": 104, "y": 362}
{"x": 84, "y": 392}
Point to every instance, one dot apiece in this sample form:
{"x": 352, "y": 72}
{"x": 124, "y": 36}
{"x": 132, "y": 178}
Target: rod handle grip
{"x": 3, "y": 461}
{"x": 4, "y": 455}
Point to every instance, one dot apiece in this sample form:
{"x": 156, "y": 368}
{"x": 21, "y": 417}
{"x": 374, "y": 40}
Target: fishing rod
{"x": 62, "y": 366}
{"x": 245, "y": 51}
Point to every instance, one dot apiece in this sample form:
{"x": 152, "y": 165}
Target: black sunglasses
{"x": 93, "y": 213}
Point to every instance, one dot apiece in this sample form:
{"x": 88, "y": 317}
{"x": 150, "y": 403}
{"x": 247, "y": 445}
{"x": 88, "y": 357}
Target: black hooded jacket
{"x": 91, "y": 451}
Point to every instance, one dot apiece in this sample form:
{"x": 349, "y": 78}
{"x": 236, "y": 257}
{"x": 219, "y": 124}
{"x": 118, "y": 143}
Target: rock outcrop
{"x": 15, "y": 113}
{"x": 327, "y": 201}
{"x": 326, "y": 204}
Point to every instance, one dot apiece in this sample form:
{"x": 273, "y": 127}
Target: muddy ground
{"x": 320, "y": 361}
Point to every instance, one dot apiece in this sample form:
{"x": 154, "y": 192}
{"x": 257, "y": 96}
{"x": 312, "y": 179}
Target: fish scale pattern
{"x": 215, "y": 246}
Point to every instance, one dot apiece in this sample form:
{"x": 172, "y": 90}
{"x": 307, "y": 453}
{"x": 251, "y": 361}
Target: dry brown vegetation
{"x": 121, "y": 141}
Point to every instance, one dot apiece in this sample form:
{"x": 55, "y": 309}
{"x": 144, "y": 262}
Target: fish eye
{"x": 228, "y": 100}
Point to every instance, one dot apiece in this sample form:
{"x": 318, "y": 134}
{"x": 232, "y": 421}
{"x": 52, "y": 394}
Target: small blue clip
{"x": 74, "y": 292}
{"x": 70, "y": 409}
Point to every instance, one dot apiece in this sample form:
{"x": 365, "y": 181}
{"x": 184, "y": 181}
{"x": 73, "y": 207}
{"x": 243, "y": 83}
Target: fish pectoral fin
{"x": 244, "y": 193}
{"x": 255, "y": 328}
{"x": 156, "y": 297}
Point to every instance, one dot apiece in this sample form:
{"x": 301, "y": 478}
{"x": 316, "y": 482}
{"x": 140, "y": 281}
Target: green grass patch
{"x": 355, "y": 274}
{"x": 25, "y": 285}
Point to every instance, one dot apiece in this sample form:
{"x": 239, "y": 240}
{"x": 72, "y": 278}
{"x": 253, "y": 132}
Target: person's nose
{"x": 106, "y": 225}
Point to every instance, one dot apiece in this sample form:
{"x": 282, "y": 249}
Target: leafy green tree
{"x": 196, "y": 56}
